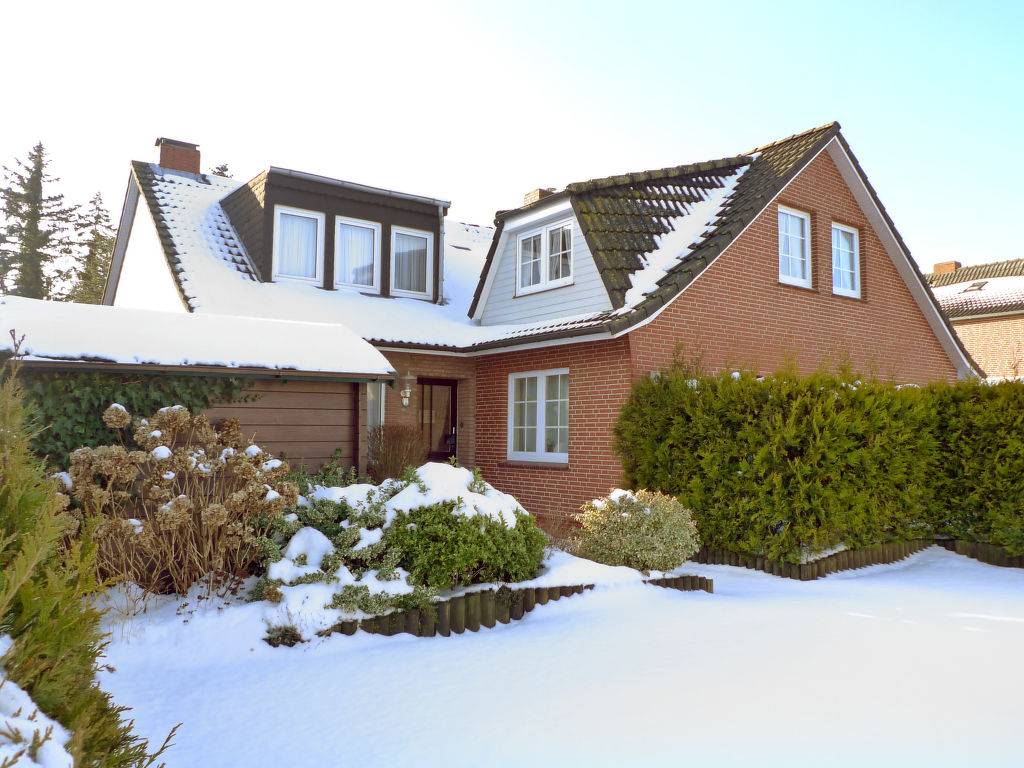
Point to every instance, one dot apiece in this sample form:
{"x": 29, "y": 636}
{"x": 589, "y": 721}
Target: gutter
{"x": 360, "y": 187}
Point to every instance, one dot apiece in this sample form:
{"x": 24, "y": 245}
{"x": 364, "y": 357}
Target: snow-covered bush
{"x": 196, "y": 500}
{"x": 370, "y": 549}
{"x": 641, "y": 529}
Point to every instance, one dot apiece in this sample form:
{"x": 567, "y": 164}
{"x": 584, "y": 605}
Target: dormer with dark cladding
{"x": 331, "y": 202}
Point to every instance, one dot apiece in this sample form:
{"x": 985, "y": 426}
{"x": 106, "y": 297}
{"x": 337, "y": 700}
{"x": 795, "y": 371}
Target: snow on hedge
{"x": 23, "y": 727}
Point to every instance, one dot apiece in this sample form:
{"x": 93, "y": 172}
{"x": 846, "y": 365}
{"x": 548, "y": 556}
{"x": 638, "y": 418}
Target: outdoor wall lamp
{"x": 407, "y": 381}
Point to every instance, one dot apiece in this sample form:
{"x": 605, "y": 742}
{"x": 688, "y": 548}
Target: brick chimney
{"x": 538, "y": 194}
{"x": 945, "y": 267}
{"x": 178, "y": 155}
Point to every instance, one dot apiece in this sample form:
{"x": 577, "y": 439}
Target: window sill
{"x": 854, "y": 297}
{"x": 558, "y": 466}
{"x": 801, "y": 286}
{"x": 520, "y": 293}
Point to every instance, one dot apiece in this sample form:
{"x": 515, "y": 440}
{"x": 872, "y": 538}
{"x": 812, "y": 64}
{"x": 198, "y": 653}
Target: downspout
{"x": 440, "y": 250}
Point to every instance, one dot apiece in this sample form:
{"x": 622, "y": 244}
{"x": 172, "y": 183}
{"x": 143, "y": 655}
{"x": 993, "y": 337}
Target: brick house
{"x": 985, "y": 304}
{"x": 517, "y": 360}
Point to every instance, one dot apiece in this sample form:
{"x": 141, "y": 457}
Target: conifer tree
{"x": 221, "y": 170}
{"x": 36, "y": 251}
{"x": 97, "y": 238}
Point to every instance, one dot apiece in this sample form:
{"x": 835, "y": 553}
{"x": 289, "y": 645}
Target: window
{"x": 975, "y": 286}
{"x": 374, "y": 404}
{"x": 845, "y": 262}
{"x": 298, "y": 244}
{"x": 544, "y": 258}
{"x": 538, "y": 417}
{"x": 794, "y": 248}
{"x": 412, "y": 253}
{"x": 357, "y": 253}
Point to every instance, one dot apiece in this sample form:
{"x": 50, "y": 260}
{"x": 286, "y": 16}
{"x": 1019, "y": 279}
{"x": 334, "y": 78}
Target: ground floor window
{"x": 538, "y": 415}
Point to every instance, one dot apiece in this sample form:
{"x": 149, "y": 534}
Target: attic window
{"x": 411, "y": 260}
{"x": 298, "y": 244}
{"x": 357, "y": 253}
{"x": 975, "y": 286}
{"x": 544, "y": 258}
{"x": 794, "y": 247}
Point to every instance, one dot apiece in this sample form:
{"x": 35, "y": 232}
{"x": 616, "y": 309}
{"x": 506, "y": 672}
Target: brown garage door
{"x": 301, "y": 420}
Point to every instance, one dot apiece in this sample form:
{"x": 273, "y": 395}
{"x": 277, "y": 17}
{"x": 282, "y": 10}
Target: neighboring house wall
{"x": 460, "y": 369}
{"x": 586, "y": 293}
{"x": 737, "y": 314}
{"x": 300, "y": 420}
{"x": 599, "y": 382}
{"x": 995, "y": 343}
{"x": 146, "y": 281}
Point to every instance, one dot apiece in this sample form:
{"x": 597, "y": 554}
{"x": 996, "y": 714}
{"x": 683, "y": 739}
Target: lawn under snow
{"x": 914, "y": 663}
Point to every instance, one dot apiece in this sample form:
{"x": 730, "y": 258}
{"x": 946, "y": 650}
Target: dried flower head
{"x": 116, "y": 417}
{"x": 214, "y": 515}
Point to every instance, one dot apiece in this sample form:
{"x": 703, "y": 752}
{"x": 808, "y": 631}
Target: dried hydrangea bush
{"x": 645, "y": 530}
{"x": 195, "y": 501}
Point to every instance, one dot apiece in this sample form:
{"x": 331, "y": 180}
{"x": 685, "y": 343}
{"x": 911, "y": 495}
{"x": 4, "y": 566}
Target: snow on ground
{"x": 916, "y": 662}
{"x": 27, "y": 736}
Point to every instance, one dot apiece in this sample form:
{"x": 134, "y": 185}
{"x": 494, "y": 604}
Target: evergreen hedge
{"x": 785, "y": 466}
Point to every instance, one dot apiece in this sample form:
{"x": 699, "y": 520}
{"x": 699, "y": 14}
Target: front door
{"x": 438, "y": 417}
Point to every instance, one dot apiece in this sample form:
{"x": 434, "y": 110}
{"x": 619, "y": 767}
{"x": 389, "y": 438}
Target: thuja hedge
{"x": 784, "y": 466}
{"x": 70, "y": 405}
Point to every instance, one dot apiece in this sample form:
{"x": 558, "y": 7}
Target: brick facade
{"x": 995, "y": 343}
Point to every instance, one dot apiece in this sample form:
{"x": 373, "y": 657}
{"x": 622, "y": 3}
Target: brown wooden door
{"x": 438, "y": 416}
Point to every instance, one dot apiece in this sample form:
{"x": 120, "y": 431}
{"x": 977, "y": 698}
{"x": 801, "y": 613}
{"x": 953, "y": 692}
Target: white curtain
{"x": 354, "y": 248}
{"x": 296, "y": 251}
{"x": 410, "y": 267}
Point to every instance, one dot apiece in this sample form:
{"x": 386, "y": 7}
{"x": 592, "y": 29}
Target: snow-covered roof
{"x": 982, "y": 289}
{"x": 86, "y": 333}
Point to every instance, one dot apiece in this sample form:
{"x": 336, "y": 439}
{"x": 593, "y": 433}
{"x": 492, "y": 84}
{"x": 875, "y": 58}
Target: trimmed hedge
{"x": 784, "y": 466}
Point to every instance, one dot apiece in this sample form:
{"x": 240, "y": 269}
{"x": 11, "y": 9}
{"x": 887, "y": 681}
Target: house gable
{"x": 503, "y": 300}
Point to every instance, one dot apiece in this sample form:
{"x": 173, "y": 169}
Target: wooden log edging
{"x": 847, "y": 560}
{"x": 989, "y": 554}
{"x": 685, "y": 583}
{"x": 464, "y": 613}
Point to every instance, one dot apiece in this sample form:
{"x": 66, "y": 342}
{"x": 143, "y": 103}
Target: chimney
{"x": 945, "y": 267}
{"x": 538, "y": 194}
{"x": 178, "y": 155}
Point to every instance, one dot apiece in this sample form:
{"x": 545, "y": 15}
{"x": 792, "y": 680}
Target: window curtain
{"x": 296, "y": 251}
{"x": 410, "y": 263}
{"x": 355, "y": 248}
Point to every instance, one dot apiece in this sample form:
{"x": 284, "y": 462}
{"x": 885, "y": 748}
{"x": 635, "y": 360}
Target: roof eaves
{"x": 499, "y": 226}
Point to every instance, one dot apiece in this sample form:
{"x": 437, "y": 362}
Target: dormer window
{"x": 411, "y": 260}
{"x": 544, "y": 258}
{"x": 298, "y": 244}
{"x": 977, "y": 286}
{"x": 357, "y": 253}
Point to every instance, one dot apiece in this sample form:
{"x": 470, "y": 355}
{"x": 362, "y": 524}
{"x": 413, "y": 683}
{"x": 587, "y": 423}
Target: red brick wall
{"x": 737, "y": 314}
{"x": 599, "y": 380}
{"x": 996, "y": 344}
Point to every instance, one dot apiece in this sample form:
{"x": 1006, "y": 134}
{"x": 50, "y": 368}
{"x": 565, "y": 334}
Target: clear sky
{"x": 479, "y": 102}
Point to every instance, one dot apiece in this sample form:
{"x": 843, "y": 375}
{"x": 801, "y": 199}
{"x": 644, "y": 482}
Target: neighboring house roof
{"x": 981, "y": 289}
{"x": 116, "y": 338}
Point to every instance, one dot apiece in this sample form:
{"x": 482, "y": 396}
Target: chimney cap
{"x": 161, "y": 141}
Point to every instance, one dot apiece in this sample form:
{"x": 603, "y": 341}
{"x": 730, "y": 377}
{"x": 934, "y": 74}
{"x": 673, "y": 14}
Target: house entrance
{"x": 438, "y": 416}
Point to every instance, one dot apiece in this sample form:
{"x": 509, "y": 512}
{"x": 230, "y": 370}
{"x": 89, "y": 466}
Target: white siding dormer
{"x": 504, "y": 301}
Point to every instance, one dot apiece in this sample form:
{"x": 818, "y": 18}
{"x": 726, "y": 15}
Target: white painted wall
{"x": 146, "y": 281}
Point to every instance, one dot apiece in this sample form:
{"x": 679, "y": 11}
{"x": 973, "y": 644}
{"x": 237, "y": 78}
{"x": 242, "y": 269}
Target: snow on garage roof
{"x": 86, "y": 333}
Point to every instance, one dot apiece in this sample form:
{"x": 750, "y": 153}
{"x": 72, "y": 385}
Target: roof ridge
{"x": 833, "y": 126}
{"x": 689, "y": 169}
{"x": 991, "y": 270}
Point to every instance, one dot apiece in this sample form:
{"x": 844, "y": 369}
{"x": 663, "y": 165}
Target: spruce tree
{"x": 97, "y": 238}
{"x": 221, "y": 170}
{"x": 36, "y": 250}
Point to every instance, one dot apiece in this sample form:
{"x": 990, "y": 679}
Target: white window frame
{"x": 789, "y": 279}
{"x": 371, "y": 225}
{"x": 838, "y": 290}
{"x": 536, "y": 455}
{"x": 430, "y": 262}
{"x": 545, "y": 245}
{"x": 321, "y": 220}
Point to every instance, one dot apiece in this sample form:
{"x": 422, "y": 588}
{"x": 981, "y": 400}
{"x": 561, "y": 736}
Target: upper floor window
{"x": 544, "y": 258}
{"x": 845, "y": 262}
{"x": 411, "y": 260}
{"x": 357, "y": 253}
{"x": 298, "y": 244}
{"x": 794, "y": 247}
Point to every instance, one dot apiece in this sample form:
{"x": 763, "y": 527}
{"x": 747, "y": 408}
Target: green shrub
{"x": 47, "y": 581}
{"x": 644, "y": 530}
{"x": 443, "y": 548}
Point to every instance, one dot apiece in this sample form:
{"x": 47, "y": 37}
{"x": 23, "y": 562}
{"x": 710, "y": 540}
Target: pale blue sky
{"x": 479, "y": 103}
